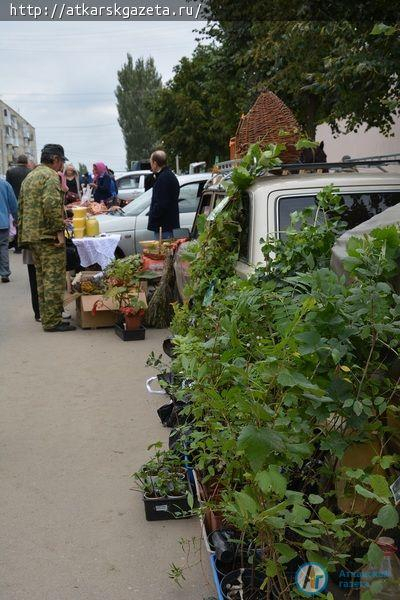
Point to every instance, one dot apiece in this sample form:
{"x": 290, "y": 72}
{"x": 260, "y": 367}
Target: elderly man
{"x": 41, "y": 229}
{"x": 164, "y": 208}
{"x": 8, "y": 206}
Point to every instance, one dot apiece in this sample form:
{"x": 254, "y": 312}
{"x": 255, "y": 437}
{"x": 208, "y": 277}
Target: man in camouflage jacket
{"x": 41, "y": 229}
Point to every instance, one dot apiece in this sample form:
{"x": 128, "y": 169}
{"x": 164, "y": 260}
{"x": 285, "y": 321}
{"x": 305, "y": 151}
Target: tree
{"x": 82, "y": 169}
{"x": 138, "y": 85}
{"x": 324, "y": 71}
{"x": 198, "y": 111}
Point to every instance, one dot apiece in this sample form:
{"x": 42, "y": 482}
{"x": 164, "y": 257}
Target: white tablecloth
{"x": 99, "y": 250}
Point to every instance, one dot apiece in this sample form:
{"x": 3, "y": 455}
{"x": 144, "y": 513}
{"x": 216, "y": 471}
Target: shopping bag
{"x": 12, "y": 231}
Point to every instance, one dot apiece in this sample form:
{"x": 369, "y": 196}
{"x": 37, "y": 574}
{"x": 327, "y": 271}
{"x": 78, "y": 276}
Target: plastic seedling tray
{"x": 130, "y": 335}
{"x": 168, "y": 508}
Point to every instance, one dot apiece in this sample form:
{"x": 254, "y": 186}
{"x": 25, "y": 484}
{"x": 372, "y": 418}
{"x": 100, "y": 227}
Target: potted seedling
{"x": 164, "y": 485}
{"x": 133, "y": 312}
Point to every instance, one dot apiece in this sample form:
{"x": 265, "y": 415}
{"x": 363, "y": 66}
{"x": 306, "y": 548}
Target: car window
{"x": 130, "y": 182}
{"x": 360, "y": 206}
{"x": 189, "y": 197}
{"x": 138, "y": 205}
{"x": 142, "y": 203}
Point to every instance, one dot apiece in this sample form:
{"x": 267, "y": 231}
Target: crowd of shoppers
{"x": 33, "y": 199}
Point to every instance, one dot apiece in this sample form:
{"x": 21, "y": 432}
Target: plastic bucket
{"x": 79, "y": 232}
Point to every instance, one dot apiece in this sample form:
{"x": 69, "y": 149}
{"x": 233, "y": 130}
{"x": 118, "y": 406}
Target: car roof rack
{"x": 346, "y": 164}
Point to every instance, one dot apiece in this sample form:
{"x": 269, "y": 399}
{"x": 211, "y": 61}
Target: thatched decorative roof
{"x": 264, "y": 123}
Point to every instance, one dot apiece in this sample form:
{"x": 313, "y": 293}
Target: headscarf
{"x": 101, "y": 169}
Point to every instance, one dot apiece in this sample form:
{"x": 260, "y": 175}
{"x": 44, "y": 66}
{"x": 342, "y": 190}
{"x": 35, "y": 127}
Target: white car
{"x": 130, "y": 184}
{"x": 131, "y": 221}
{"x": 270, "y": 200}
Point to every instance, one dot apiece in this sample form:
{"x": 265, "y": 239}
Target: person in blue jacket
{"x": 8, "y": 206}
{"x": 164, "y": 207}
{"x": 101, "y": 184}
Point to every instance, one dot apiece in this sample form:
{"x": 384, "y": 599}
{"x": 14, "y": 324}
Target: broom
{"x": 159, "y": 313}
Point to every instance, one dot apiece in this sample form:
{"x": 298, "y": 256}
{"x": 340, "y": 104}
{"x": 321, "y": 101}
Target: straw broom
{"x": 159, "y": 313}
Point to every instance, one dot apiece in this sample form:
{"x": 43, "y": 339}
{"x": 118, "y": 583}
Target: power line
{"x": 75, "y": 126}
{"x": 56, "y": 93}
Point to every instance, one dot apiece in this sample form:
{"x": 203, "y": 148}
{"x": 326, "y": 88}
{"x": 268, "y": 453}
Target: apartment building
{"x": 17, "y": 136}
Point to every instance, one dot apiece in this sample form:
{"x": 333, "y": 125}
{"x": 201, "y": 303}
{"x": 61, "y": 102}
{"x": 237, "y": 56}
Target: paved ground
{"x": 75, "y": 422}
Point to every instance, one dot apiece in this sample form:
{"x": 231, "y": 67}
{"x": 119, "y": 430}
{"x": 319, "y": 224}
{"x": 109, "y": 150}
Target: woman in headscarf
{"x": 101, "y": 184}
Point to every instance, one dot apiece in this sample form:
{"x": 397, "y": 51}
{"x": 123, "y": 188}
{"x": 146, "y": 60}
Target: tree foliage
{"x": 137, "y": 87}
{"x": 82, "y": 169}
{"x": 197, "y": 112}
{"x": 329, "y": 71}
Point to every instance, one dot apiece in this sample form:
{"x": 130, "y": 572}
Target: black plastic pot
{"x": 220, "y": 541}
{"x": 168, "y": 508}
{"x": 243, "y": 584}
{"x": 168, "y": 347}
{"x": 164, "y": 412}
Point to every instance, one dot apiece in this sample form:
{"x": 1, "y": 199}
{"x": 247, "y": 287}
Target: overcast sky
{"x": 61, "y": 77}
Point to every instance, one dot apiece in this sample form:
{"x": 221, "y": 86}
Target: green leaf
{"x": 304, "y": 143}
{"x": 190, "y": 499}
{"x": 309, "y": 545}
{"x": 326, "y": 515}
{"x": 381, "y": 28}
{"x": 309, "y": 342}
{"x": 258, "y": 444}
{"x": 241, "y": 178}
{"x": 379, "y": 485}
{"x": 247, "y": 505}
{"x": 292, "y": 378}
{"x": 299, "y": 515}
{"x": 271, "y": 568}
{"x": 272, "y": 480}
{"x": 286, "y": 553}
{"x": 387, "y": 461}
{"x": 374, "y": 555}
{"x": 357, "y": 407}
{"x": 362, "y": 491}
{"x": 315, "y": 499}
{"x": 387, "y": 517}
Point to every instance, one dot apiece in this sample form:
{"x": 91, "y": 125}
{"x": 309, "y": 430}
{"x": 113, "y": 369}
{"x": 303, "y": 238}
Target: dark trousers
{"x": 34, "y": 290}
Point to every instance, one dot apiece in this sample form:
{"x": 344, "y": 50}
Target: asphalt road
{"x": 75, "y": 422}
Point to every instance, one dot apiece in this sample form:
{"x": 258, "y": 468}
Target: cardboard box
{"x": 106, "y": 311}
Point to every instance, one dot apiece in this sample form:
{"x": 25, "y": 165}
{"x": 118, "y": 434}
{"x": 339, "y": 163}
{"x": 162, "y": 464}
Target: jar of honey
{"x": 92, "y": 227}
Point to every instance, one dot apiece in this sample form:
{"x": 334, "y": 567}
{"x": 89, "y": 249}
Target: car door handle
{"x": 127, "y": 237}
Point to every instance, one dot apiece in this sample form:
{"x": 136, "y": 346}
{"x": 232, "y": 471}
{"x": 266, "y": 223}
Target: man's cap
{"x": 22, "y": 159}
{"x": 55, "y": 149}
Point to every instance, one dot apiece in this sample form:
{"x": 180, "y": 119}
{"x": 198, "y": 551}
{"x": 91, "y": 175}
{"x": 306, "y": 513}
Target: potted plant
{"x": 133, "y": 312}
{"x": 164, "y": 485}
{"x": 123, "y": 272}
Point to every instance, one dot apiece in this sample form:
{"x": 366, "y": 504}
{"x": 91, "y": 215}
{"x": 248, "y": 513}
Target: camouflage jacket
{"x": 41, "y": 212}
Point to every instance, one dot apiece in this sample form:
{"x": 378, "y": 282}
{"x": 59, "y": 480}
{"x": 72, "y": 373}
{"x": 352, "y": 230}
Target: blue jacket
{"x": 8, "y": 204}
{"x": 103, "y": 190}
{"x": 164, "y": 207}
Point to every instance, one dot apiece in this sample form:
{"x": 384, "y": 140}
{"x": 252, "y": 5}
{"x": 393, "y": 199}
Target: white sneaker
{"x": 66, "y": 315}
